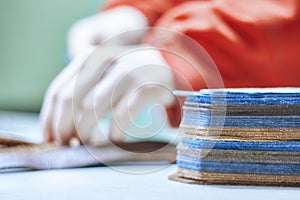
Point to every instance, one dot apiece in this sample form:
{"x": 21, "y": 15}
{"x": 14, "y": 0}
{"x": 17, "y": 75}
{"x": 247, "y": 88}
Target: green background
{"x": 33, "y": 47}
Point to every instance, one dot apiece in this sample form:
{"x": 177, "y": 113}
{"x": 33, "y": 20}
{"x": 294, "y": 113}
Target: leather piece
{"x": 9, "y": 139}
{"x": 240, "y": 156}
{"x": 247, "y": 96}
{"x": 241, "y": 134}
{"x": 50, "y": 156}
{"x": 244, "y": 110}
{"x": 241, "y": 121}
{"x": 284, "y": 146}
{"x": 237, "y": 167}
{"x": 193, "y": 177}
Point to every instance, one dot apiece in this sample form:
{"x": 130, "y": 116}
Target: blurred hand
{"x": 93, "y": 30}
{"x": 119, "y": 81}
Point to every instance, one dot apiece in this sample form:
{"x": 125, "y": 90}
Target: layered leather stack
{"x": 240, "y": 137}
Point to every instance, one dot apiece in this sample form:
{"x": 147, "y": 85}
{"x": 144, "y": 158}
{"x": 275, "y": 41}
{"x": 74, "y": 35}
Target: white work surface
{"x": 106, "y": 183}
{"x": 111, "y": 183}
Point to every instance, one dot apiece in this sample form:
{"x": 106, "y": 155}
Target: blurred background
{"x": 33, "y": 47}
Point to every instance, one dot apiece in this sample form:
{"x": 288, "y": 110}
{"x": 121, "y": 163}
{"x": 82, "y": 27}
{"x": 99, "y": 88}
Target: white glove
{"x": 93, "y": 30}
{"x": 120, "y": 81}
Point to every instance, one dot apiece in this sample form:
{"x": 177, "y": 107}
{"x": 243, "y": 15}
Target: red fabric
{"x": 152, "y": 9}
{"x": 254, "y": 43}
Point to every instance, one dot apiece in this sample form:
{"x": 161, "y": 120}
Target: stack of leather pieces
{"x": 240, "y": 137}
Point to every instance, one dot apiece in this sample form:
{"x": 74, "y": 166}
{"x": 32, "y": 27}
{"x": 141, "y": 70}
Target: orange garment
{"x": 254, "y": 43}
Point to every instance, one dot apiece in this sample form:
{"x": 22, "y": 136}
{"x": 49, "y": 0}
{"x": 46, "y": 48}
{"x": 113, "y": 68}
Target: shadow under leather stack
{"x": 240, "y": 137}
